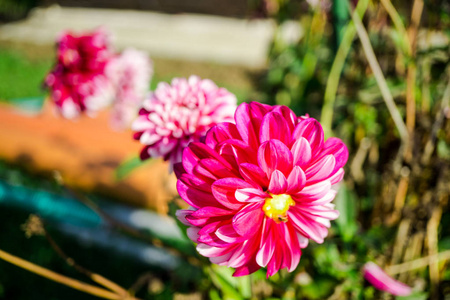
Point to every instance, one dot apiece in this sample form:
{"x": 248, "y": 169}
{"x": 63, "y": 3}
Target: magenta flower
{"x": 78, "y": 82}
{"x": 178, "y": 114}
{"x": 382, "y": 281}
{"x": 131, "y": 74}
{"x": 87, "y": 53}
{"x": 260, "y": 189}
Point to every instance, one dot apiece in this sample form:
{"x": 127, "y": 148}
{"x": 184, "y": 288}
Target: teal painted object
{"x": 341, "y": 17}
{"x": 50, "y": 206}
{"x": 30, "y": 105}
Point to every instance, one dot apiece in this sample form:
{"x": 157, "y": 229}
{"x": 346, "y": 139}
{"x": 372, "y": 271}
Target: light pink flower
{"x": 382, "y": 281}
{"x": 179, "y": 113}
{"x": 78, "y": 82}
{"x": 260, "y": 189}
{"x": 131, "y": 74}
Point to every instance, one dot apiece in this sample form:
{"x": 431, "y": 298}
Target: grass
{"x": 21, "y": 77}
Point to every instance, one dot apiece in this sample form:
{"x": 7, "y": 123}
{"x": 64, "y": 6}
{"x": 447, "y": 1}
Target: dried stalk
{"x": 398, "y": 23}
{"x": 381, "y": 81}
{"x": 73, "y": 283}
{"x": 416, "y": 16}
{"x": 419, "y": 263}
{"x": 445, "y": 105}
{"x": 93, "y": 276}
{"x": 432, "y": 243}
{"x": 400, "y": 241}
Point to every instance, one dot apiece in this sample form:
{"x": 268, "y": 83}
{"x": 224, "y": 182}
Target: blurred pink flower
{"x": 260, "y": 189}
{"x": 380, "y": 280}
{"x": 179, "y": 113}
{"x": 131, "y": 74}
{"x": 88, "y": 53}
{"x": 78, "y": 82}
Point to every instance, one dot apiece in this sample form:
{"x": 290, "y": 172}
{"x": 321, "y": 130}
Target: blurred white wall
{"x": 182, "y": 36}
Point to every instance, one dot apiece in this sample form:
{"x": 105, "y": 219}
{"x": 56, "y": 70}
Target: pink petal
{"x": 208, "y": 235}
{"x": 254, "y": 174}
{"x": 220, "y": 133}
{"x": 211, "y": 251}
{"x": 204, "y": 215}
{"x": 194, "y": 197}
{"x": 327, "y": 198}
{"x": 242, "y": 254}
{"x": 314, "y": 191}
{"x": 302, "y": 240}
{"x": 216, "y": 168}
{"x": 306, "y": 226}
{"x": 238, "y": 149}
{"x": 189, "y": 160}
{"x": 292, "y": 245}
{"x": 338, "y": 149}
{"x": 203, "y": 173}
{"x": 380, "y": 280}
{"x": 265, "y": 252}
{"x": 201, "y": 151}
{"x": 278, "y": 183}
{"x": 322, "y": 212}
{"x": 250, "y": 195}
{"x": 274, "y": 155}
{"x": 274, "y": 126}
{"x": 225, "y": 189}
{"x": 287, "y": 114}
{"x": 248, "y": 221}
{"x": 178, "y": 169}
{"x": 337, "y": 176}
{"x": 312, "y": 131}
{"x": 301, "y": 152}
{"x": 195, "y": 182}
{"x": 228, "y": 234}
{"x": 244, "y": 124}
{"x": 247, "y": 269}
{"x": 321, "y": 169}
{"x": 274, "y": 264}
{"x": 296, "y": 180}
{"x": 181, "y": 215}
{"x": 248, "y": 121}
{"x": 221, "y": 260}
{"x": 192, "y": 233}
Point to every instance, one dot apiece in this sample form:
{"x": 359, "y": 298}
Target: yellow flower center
{"x": 277, "y": 206}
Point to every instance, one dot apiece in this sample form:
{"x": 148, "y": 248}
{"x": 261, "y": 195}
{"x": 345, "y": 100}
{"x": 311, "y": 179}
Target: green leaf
{"x": 130, "y": 165}
{"x": 223, "y": 280}
{"x": 414, "y": 296}
{"x": 346, "y": 205}
{"x": 244, "y": 286}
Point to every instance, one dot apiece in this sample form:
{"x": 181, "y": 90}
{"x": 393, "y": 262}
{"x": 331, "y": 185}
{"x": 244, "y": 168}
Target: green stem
{"x": 398, "y": 24}
{"x": 336, "y": 69}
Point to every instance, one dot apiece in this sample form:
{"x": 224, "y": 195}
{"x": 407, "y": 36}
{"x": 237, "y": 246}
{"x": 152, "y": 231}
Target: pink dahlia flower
{"x": 78, "y": 82}
{"x": 382, "y": 281}
{"x": 260, "y": 189}
{"x": 179, "y": 113}
{"x": 88, "y": 53}
{"x": 131, "y": 74}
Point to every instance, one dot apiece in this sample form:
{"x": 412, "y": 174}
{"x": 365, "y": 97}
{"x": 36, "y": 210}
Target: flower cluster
{"x": 78, "y": 82}
{"x": 90, "y": 76}
{"x": 179, "y": 113}
{"x": 260, "y": 189}
{"x": 131, "y": 74}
